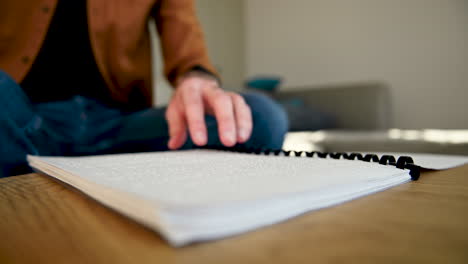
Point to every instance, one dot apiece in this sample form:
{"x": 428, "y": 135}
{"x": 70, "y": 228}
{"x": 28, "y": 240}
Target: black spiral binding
{"x": 403, "y": 162}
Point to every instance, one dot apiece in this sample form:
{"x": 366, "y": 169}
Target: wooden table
{"x": 426, "y": 221}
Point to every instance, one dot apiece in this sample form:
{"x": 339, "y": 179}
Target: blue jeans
{"x": 82, "y": 126}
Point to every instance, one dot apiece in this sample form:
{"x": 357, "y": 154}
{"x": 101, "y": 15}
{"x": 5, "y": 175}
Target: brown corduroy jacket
{"x": 118, "y": 31}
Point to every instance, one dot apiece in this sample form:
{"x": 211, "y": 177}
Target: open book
{"x": 199, "y": 195}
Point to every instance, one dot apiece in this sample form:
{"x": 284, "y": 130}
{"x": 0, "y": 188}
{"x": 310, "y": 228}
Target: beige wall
{"x": 223, "y": 24}
{"x": 419, "y": 47}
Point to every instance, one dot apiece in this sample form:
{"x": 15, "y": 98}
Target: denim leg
{"x": 21, "y": 131}
{"x": 270, "y": 122}
{"x": 76, "y": 124}
{"x": 141, "y": 131}
{"x": 148, "y": 130}
{"x": 14, "y": 102}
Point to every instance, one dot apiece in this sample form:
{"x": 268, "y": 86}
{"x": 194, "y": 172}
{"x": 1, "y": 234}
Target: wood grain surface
{"x": 42, "y": 221}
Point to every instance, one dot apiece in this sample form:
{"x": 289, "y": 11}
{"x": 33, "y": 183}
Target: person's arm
{"x": 197, "y": 88}
{"x": 182, "y": 39}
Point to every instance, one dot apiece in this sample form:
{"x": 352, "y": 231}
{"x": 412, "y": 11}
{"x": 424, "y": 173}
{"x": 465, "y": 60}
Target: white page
{"x": 207, "y": 178}
{"x": 203, "y": 194}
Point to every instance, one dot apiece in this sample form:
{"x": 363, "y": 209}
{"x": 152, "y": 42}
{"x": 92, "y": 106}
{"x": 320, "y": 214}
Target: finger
{"x": 177, "y": 126}
{"x": 194, "y": 113}
{"x": 243, "y": 116}
{"x": 222, "y": 106}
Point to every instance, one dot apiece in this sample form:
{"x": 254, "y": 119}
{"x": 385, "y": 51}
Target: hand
{"x": 198, "y": 94}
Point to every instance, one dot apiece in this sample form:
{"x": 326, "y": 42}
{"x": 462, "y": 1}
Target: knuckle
{"x": 226, "y": 118}
{"x": 189, "y": 86}
{"x": 208, "y": 82}
{"x": 190, "y": 90}
{"x": 194, "y": 113}
{"x": 195, "y": 118}
{"x": 198, "y": 127}
{"x": 214, "y": 84}
{"x": 235, "y": 96}
{"x": 222, "y": 98}
{"x": 194, "y": 109}
{"x": 216, "y": 90}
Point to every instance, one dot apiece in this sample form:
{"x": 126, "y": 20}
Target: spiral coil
{"x": 403, "y": 162}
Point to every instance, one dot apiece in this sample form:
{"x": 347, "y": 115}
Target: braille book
{"x": 200, "y": 195}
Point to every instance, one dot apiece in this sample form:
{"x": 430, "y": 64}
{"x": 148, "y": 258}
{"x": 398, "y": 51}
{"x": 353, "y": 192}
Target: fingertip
{"x": 177, "y": 141}
{"x": 229, "y": 139}
{"x": 244, "y": 135}
{"x": 241, "y": 139}
{"x": 171, "y": 145}
{"x": 199, "y": 138}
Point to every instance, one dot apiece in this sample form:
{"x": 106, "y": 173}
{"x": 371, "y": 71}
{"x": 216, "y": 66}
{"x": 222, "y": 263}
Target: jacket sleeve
{"x": 182, "y": 40}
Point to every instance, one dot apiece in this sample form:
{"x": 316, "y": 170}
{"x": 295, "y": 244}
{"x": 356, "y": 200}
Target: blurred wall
{"x": 419, "y": 47}
{"x": 223, "y": 25}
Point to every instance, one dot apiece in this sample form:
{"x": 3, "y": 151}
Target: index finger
{"x": 177, "y": 127}
{"x": 222, "y": 106}
{"x": 195, "y": 114}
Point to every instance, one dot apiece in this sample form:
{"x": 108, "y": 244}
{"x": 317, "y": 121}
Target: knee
{"x": 6, "y": 82}
{"x": 10, "y": 90}
{"x": 270, "y": 122}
